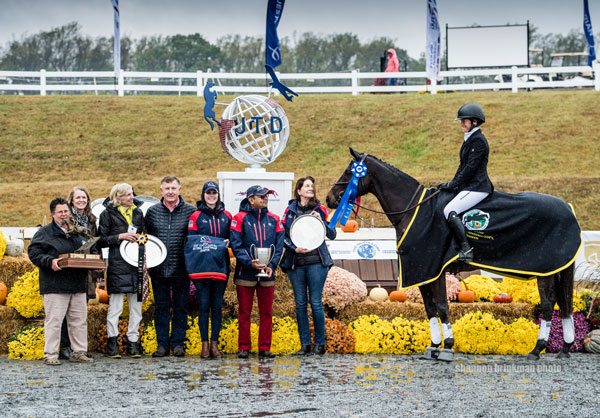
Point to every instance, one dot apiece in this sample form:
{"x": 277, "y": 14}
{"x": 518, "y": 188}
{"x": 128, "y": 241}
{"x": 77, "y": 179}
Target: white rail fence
{"x": 354, "y": 82}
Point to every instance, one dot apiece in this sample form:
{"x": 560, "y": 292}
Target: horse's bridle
{"x": 402, "y": 212}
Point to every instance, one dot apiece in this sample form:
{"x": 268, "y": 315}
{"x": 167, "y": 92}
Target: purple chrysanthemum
{"x": 555, "y": 341}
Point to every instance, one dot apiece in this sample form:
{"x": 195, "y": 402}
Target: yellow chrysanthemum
{"x": 25, "y": 295}
{"x": 27, "y": 344}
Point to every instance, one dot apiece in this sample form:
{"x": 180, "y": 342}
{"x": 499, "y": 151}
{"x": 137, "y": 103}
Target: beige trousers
{"x": 56, "y": 306}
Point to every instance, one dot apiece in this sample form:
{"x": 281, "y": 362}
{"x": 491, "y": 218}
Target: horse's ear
{"x": 354, "y": 154}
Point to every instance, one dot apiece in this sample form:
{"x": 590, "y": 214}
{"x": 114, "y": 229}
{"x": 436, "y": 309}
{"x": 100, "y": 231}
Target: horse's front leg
{"x": 441, "y": 301}
{"x": 547, "y": 301}
{"x": 432, "y": 352}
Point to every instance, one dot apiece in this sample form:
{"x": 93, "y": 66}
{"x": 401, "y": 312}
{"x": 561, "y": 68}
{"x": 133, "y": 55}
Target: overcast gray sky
{"x": 402, "y": 20}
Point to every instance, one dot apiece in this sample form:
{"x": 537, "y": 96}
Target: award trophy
{"x": 264, "y": 256}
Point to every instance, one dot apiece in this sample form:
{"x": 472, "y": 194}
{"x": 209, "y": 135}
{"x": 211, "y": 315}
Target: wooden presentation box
{"x": 82, "y": 261}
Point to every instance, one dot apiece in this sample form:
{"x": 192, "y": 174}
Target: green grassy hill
{"x": 544, "y": 141}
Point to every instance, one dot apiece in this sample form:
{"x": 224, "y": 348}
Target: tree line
{"x": 66, "y": 48}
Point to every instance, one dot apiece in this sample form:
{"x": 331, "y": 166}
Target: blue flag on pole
{"x": 589, "y": 34}
{"x": 117, "y": 45}
{"x": 273, "y": 52}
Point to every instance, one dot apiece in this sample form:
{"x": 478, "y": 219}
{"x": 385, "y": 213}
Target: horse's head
{"x": 339, "y": 187}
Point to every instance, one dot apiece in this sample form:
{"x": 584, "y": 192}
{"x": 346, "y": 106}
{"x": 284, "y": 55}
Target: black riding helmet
{"x": 471, "y": 111}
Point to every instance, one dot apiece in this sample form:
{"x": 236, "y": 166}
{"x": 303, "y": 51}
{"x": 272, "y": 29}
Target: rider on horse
{"x": 471, "y": 181}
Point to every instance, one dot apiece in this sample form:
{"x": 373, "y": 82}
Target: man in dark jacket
{"x": 63, "y": 290}
{"x": 255, "y": 227}
{"x": 168, "y": 221}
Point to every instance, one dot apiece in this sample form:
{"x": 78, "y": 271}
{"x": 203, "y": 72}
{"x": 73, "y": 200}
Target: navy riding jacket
{"x": 259, "y": 228}
{"x": 215, "y": 223}
{"x": 472, "y": 172}
{"x": 289, "y": 258}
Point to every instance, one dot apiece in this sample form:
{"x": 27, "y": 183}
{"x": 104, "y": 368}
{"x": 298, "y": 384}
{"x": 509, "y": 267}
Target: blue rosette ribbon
{"x": 359, "y": 170}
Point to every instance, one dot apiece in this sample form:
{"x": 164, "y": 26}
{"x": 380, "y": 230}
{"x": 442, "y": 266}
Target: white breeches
{"x": 463, "y": 201}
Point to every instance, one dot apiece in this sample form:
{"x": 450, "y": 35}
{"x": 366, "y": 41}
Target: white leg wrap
{"x": 568, "y": 329}
{"x": 447, "y": 331}
{"x": 436, "y": 334}
{"x": 544, "y": 330}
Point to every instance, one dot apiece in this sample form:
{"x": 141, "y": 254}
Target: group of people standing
{"x": 172, "y": 220}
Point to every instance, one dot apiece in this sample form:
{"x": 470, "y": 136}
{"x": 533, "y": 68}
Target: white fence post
{"x": 596, "y": 70}
{"x": 514, "y": 79}
{"x": 433, "y": 85}
{"x": 121, "y": 90}
{"x": 355, "y": 83}
{"x": 199, "y": 83}
{"x": 42, "y": 82}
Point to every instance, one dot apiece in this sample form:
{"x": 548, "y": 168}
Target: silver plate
{"x": 307, "y": 231}
{"x": 156, "y": 252}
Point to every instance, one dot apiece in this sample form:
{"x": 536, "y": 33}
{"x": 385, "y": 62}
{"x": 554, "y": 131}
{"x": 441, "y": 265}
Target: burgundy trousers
{"x": 245, "y": 297}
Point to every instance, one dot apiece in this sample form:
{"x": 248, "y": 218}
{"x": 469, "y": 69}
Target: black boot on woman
{"x": 303, "y": 351}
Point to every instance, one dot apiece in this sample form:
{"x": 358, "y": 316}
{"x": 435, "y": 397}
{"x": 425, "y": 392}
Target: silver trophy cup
{"x": 264, "y": 256}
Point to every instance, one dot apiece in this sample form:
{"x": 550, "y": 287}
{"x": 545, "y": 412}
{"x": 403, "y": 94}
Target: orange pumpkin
{"x": 3, "y": 293}
{"x": 351, "y": 226}
{"x": 398, "y": 296}
{"x": 102, "y": 295}
{"x": 503, "y": 298}
{"x": 466, "y": 296}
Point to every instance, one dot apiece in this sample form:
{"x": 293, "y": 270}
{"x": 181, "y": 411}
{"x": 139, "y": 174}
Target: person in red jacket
{"x": 393, "y": 66}
{"x": 255, "y": 227}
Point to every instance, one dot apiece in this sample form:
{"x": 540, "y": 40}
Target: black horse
{"x": 397, "y": 194}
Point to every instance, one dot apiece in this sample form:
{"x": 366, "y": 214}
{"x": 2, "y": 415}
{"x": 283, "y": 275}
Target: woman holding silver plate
{"x": 122, "y": 220}
{"x": 307, "y": 268}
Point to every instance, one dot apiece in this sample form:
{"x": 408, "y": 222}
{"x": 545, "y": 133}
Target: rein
{"x": 431, "y": 196}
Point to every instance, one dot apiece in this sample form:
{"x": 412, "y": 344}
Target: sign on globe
{"x": 254, "y": 130}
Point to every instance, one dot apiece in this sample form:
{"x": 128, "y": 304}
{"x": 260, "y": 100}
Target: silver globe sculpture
{"x": 254, "y": 130}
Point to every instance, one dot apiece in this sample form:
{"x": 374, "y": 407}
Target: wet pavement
{"x": 311, "y": 386}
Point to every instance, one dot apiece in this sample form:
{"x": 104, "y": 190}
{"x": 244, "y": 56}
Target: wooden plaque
{"x": 82, "y": 261}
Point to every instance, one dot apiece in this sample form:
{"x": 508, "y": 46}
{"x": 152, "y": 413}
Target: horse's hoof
{"x": 431, "y": 353}
{"x": 449, "y": 343}
{"x": 533, "y": 356}
{"x": 563, "y": 354}
{"x": 446, "y": 355}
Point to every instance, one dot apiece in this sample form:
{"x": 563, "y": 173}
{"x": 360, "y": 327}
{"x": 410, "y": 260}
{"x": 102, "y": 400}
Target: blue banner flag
{"x": 117, "y": 46}
{"x": 272, "y": 50}
{"x": 589, "y": 34}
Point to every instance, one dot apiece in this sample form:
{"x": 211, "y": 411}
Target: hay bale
{"x": 385, "y": 310}
{"x": 11, "y": 268}
{"x": 8, "y": 312}
{"x": 506, "y": 312}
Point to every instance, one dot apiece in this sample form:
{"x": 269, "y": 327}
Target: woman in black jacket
{"x": 122, "y": 220}
{"x": 471, "y": 181}
{"x": 63, "y": 289}
{"x": 307, "y": 269}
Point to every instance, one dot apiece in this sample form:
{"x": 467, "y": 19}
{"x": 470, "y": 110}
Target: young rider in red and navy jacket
{"x": 211, "y": 219}
{"x": 255, "y": 226}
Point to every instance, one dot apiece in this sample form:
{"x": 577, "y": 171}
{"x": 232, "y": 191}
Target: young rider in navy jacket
{"x": 211, "y": 219}
{"x": 471, "y": 181}
{"x": 255, "y": 226}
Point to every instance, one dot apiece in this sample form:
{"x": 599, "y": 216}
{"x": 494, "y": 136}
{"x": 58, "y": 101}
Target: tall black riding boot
{"x": 458, "y": 229}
